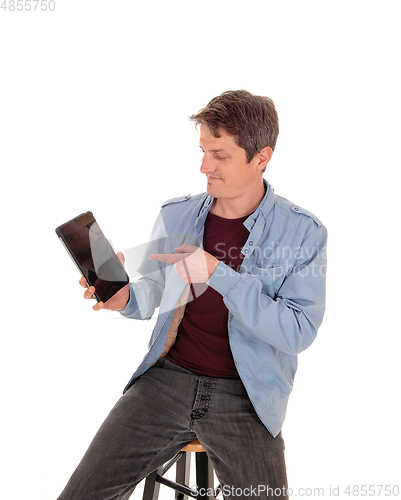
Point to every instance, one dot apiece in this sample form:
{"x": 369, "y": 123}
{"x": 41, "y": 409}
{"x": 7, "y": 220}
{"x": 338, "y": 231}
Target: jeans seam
{"x": 158, "y": 454}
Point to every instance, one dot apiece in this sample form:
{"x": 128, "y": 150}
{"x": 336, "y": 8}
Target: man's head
{"x": 252, "y": 120}
{"x": 238, "y": 132}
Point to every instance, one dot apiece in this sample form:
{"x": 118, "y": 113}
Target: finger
{"x": 185, "y": 248}
{"x": 163, "y": 257}
{"x": 89, "y": 293}
{"x": 83, "y": 282}
{"x": 98, "y": 306}
{"x": 121, "y": 257}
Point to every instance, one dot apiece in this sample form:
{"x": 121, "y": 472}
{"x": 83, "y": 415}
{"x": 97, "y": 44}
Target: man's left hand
{"x": 192, "y": 264}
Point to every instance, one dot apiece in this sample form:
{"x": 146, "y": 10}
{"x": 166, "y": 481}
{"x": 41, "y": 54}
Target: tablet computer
{"x": 93, "y": 255}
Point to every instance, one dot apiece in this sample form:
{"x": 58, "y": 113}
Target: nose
{"x": 207, "y": 165}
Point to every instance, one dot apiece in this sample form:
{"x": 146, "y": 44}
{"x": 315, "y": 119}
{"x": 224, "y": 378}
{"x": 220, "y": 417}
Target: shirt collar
{"x": 264, "y": 208}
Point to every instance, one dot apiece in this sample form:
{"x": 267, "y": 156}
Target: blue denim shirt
{"x": 276, "y": 300}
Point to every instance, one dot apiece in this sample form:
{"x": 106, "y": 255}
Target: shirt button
{"x": 246, "y": 250}
{"x": 251, "y": 243}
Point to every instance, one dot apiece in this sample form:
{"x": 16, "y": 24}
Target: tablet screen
{"x": 93, "y": 255}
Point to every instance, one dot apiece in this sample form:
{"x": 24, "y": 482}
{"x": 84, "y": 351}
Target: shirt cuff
{"x": 223, "y": 279}
{"x": 132, "y": 305}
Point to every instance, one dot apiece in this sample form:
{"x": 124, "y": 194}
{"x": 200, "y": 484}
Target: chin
{"x": 211, "y": 190}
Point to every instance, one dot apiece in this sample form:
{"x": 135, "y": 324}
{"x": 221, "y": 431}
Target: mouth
{"x": 211, "y": 178}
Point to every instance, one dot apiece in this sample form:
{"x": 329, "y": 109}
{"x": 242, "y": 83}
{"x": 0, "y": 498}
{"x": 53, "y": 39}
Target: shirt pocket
{"x": 271, "y": 278}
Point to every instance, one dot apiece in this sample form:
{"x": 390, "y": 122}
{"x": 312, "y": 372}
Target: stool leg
{"x": 204, "y": 474}
{"x": 183, "y": 467}
{"x": 151, "y": 488}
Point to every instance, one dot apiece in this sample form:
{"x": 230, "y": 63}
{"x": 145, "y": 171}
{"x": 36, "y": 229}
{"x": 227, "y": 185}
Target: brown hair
{"x": 251, "y": 119}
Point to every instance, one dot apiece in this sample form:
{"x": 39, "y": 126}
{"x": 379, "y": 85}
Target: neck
{"x": 234, "y": 208}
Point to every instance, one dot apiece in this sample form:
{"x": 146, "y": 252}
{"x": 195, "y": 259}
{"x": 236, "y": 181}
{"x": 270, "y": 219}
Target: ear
{"x": 264, "y": 157}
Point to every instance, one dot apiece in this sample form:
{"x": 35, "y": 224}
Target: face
{"x": 228, "y": 173}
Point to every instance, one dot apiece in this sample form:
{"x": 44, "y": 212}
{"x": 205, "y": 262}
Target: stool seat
{"x": 194, "y": 446}
{"x": 204, "y": 476}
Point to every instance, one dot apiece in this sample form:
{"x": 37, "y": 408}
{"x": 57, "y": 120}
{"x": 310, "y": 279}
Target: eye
{"x": 219, "y": 157}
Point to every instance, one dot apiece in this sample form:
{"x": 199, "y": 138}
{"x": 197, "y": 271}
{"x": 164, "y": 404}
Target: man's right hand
{"x": 115, "y": 303}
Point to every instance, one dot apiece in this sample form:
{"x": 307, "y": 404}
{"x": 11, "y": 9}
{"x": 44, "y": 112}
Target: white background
{"x": 94, "y": 100}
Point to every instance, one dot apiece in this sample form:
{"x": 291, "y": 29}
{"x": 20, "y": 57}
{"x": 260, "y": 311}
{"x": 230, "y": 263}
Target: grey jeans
{"x": 165, "y": 409}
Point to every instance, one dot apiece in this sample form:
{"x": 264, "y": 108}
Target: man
{"x": 239, "y": 276}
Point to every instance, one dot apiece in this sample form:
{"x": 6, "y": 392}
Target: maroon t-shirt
{"x": 202, "y": 339}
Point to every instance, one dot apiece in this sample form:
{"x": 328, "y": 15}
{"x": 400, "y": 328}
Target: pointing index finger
{"x": 163, "y": 257}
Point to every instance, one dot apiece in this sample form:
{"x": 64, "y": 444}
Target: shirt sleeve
{"x": 289, "y": 320}
{"x": 147, "y": 291}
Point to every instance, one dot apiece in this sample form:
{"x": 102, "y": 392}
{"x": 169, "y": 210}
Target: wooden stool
{"x": 204, "y": 475}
